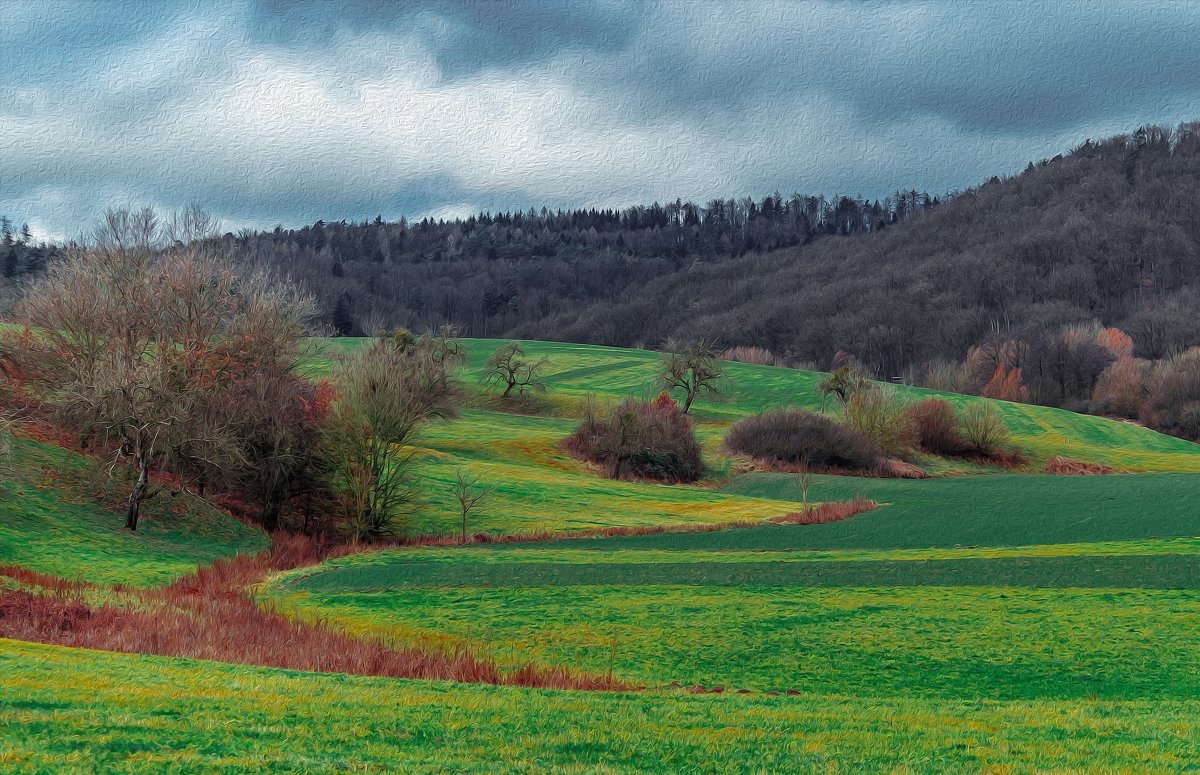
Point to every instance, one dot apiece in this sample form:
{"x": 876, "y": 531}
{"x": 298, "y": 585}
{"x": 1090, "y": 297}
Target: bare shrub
{"x": 759, "y": 356}
{"x": 639, "y": 439}
{"x": 1173, "y": 405}
{"x": 935, "y": 427}
{"x": 1121, "y": 388}
{"x": 878, "y": 413}
{"x": 947, "y": 376}
{"x": 984, "y": 429}
{"x": 794, "y": 436}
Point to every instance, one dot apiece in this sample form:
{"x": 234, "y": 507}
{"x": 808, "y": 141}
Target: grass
{"x": 576, "y": 370}
{"x": 980, "y": 622}
{"x": 50, "y": 522}
{"x": 892, "y": 622}
{"x": 985, "y": 510}
{"x": 66, "y": 710}
{"x": 539, "y": 487}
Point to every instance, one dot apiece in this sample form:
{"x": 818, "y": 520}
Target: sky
{"x": 282, "y": 112}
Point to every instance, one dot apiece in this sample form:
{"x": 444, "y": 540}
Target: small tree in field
{"x": 144, "y": 350}
{"x": 695, "y": 369}
{"x": 844, "y": 382}
{"x": 386, "y": 393}
{"x": 469, "y": 493}
{"x": 509, "y": 366}
{"x": 804, "y": 481}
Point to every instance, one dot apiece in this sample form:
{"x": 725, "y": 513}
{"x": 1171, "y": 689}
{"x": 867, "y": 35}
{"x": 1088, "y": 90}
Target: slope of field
{"x": 574, "y": 371}
{"x": 67, "y": 711}
{"x": 51, "y": 523}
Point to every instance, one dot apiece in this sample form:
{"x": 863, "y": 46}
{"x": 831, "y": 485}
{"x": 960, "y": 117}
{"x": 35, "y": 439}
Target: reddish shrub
{"x": 1066, "y": 467}
{"x": 935, "y": 424}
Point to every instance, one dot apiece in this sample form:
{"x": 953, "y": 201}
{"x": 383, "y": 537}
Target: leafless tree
{"x": 695, "y": 369}
{"x": 469, "y": 493}
{"x": 386, "y": 393}
{"x": 510, "y": 367}
{"x": 139, "y": 349}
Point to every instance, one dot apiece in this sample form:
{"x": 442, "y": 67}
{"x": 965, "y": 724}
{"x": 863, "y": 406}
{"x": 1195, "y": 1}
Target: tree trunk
{"x": 268, "y": 515}
{"x": 135, "y": 497}
{"x": 687, "y": 404}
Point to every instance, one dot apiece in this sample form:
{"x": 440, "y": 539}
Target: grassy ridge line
{"x": 1164, "y": 571}
{"x": 477, "y": 554}
{"x": 949, "y": 642}
{"x": 576, "y": 370}
{"x": 67, "y": 710}
{"x": 49, "y": 522}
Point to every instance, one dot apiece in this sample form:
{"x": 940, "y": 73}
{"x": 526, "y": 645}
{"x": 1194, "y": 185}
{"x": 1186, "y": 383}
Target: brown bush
{"x": 935, "y": 427}
{"x": 1062, "y": 466}
{"x": 794, "y": 436}
{"x": 1173, "y": 405}
{"x": 641, "y": 440}
{"x": 1121, "y": 388}
{"x": 759, "y": 356}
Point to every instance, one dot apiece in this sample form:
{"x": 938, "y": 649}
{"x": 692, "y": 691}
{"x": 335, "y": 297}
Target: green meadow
{"x": 980, "y": 620}
{"x": 76, "y": 711}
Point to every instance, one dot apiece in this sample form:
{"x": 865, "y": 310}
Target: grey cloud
{"x": 292, "y": 111}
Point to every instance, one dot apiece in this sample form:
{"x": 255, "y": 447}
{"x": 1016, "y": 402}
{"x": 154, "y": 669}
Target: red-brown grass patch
{"x": 210, "y": 615}
{"x": 1062, "y": 466}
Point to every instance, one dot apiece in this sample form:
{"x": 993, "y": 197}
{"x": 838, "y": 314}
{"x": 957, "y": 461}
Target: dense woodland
{"x": 491, "y": 274}
{"x": 1109, "y": 232}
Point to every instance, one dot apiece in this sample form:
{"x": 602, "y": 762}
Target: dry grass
{"x": 209, "y": 615}
{"x": 1066, "y": 467}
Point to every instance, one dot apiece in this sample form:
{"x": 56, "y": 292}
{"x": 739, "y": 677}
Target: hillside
{"x": 973, "y": 618}
{"x": 1107, "y": 232}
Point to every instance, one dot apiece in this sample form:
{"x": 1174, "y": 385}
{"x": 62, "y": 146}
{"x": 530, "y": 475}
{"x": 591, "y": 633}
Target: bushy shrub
{"x": 1173, "y": 405}
{"x": 639, "y": 439}
{"x": 984, "y": 430}
{"x": 794, "y": 436}
{"x": 934, "y": 424}
{"x": 878, "y": 413}
{"x": 1121, "y": 388}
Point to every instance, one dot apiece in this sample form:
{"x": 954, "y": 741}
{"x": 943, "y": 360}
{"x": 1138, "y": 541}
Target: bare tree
{"x": 804, "y": 481}
{"x": 386, "y": 393}
{"x": 469, "y": 493}
{"x": 844, "y": 382}
{"x": 695, "y": 369}
{"x": 510, "y": 367}
{"x": 139, "y": 349}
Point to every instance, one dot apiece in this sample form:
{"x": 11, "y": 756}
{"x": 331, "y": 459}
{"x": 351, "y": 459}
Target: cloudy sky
{"x": 286, "y": 112}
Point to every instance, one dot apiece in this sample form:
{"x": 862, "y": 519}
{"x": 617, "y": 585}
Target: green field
{"x": 74, "y": 711}
{"x": 51, "y": 522}
{"x": 980, "y": 621}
